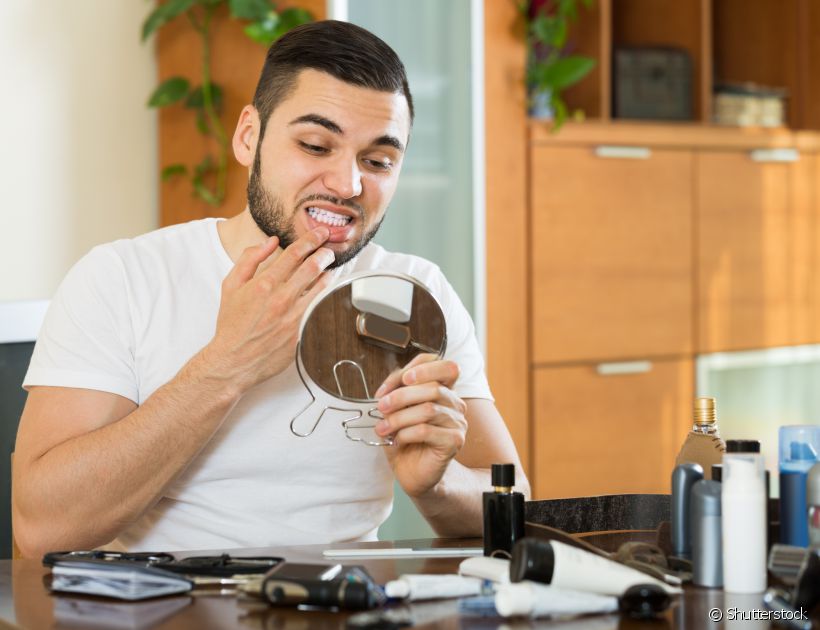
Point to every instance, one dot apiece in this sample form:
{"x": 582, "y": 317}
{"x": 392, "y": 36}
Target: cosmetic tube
{"x": 707, "y": 555}
{"x": 743, "y": 512}
{"x": 799, "y": 448}
{"x": 416, "y": 586}
{"x": 531, "y": 599}
{"x": 567, "y": 567}
{"x": 684, "y": 476}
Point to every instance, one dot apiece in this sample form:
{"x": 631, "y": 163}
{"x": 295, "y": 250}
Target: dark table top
{"x": 25, "y": 601}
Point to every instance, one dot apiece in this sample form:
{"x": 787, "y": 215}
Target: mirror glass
{"x": 356, "y": 334}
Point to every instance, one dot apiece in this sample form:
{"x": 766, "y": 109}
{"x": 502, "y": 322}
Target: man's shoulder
{"x": 165, "y": 250}
{"x": 192, "y": 233}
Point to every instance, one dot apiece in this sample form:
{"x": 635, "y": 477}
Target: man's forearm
{"x": 454, "y": 506}
{"x": 85, "y": 491}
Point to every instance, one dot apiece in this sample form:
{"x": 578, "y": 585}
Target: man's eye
{"x": 379, "y": 165}
{"x": 313, "y": 148}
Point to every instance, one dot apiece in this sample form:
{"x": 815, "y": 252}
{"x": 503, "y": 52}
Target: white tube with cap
{"x": 418, "y": 586}
{"x": 531, "y": 599}
{"x": 581, "y": 570}
{"x": 743, "y": 506}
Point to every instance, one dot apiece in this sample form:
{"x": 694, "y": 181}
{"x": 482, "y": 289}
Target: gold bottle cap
{"x": 705, "y": 411}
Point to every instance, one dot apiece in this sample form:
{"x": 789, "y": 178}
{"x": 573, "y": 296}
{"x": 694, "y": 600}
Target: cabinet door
{"x": 755, "y": 250}
{"x": 609, "y": 434}
{"x": 611, "y": 254}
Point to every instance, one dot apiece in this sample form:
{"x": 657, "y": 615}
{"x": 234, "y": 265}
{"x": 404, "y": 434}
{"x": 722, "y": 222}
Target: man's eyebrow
{"x": 316, "y": 119}
{"x": 390, "y": 141}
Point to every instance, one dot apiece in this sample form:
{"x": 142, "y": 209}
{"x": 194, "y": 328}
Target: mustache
{"x": 345, "y": 203}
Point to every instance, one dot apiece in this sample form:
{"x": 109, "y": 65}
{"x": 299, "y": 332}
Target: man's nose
{"x": 344, "y": 178}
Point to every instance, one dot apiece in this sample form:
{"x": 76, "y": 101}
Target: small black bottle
{"x": 503, "y": 513}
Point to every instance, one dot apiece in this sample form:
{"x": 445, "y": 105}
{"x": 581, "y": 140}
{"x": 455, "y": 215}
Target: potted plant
{"x": 549, "y": 69}
{"x": 265, "y": 25}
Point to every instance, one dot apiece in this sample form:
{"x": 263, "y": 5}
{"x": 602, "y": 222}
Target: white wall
{"x": 78, "y": 161}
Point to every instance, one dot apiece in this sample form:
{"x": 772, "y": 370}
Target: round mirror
{"x": 353, "y": 336}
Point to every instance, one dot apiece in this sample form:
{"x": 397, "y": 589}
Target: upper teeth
{"x": 328, "y": 217}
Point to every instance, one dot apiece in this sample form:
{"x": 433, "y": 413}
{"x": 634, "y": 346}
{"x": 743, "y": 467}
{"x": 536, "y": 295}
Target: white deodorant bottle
{"x": 743, "y": 499}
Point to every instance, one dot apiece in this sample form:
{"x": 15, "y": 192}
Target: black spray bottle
{"x": 503, "y": 513}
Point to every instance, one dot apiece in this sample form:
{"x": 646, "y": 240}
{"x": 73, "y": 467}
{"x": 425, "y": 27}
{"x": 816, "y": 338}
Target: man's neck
{"x": 238, "y": 233}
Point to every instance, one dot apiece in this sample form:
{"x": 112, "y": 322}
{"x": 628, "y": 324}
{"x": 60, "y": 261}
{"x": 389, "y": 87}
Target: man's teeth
{"x": 328, "y": 217}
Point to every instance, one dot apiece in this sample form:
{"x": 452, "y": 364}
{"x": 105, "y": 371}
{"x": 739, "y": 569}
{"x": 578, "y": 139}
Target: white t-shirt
{"x": 131, "y": 313}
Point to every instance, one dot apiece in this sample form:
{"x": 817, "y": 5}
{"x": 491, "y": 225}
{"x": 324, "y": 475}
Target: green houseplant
{"x": 549, "y": 69}
{"x": 204, "y": 100}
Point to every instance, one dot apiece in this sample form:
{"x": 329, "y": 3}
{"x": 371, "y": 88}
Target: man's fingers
{"x": 296, "y": 253}
{"x": 249, "y": 262}
{"x": 444, "y": 372}
{"x": 424, "y": 413}
{"x": 395, "y": 379}
{"x": 319, "y": 285}
{"x": 445, "y": 438}
{"x": 309, "y": 271}
{"x": 416, "y": 394}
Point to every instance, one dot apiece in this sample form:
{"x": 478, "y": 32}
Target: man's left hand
{"x": 426, "y": 419}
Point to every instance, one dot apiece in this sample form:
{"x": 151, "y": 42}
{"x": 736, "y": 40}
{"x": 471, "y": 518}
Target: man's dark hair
{"x": 343, "y": 50}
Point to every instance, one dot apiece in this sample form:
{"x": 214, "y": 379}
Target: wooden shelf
{"x": 771, "y": 44}
{"x": 672, "y": 135}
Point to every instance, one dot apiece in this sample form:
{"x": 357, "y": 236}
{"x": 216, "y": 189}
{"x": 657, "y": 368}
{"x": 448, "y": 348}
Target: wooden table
{"x": 25, "y": 602}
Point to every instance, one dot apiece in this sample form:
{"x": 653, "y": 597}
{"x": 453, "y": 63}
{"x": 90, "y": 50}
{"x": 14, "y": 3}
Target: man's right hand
{"x": 263, "y": 300}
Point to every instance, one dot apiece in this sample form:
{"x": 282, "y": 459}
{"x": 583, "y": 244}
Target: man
{"x": 163, "y": 383}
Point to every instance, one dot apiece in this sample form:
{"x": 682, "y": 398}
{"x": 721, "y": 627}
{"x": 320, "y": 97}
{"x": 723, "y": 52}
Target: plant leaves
{"x": 163, "y": 14}
{"x": 256, "y": 10}
{"x": 274, "y": 26}
{"x": 173, "y": 170}
{"x": 568, "y": 9}
{"x": 198, "y": 180}
{"x": 169, "y": 91}
{"x": 563, "y": 72}
{"x": 559, "y": 109}
{"x": 196, "y": 97}
{"x": 549, "y": 30}
{"x": 293, "y": 17}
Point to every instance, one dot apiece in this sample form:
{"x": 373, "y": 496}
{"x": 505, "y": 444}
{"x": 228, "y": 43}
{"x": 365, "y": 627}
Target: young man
{"x": 163, "y": 383}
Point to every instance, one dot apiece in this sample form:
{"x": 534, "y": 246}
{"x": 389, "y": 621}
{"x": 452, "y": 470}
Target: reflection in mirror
{"x": 352, "y": 337}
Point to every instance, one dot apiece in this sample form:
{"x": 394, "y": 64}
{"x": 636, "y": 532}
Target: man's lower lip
{"x": 338, "y": 233}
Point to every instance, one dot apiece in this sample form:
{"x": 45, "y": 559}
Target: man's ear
{"x": 246, "y": 136}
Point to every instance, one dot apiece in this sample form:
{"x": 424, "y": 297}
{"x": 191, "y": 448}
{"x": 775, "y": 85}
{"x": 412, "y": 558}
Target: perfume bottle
{"x": 703, "y": 445}
{"x": 503, "y": 513}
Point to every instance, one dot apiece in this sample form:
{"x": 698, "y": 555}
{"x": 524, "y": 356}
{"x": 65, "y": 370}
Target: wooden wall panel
{"x": 612, "y": 434}
{"x": 236, "y": 63}
{"x": 754, "y": 252}
{"x": 611, "y": 255}
{"x": 506, "y": 211}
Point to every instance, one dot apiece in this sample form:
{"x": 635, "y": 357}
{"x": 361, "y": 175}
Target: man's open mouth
{"x": 333, "y": 219}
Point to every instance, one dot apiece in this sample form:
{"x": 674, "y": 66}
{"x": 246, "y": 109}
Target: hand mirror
{"x": 352, "y": 336}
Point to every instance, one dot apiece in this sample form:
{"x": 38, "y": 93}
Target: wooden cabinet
{"x": 611, "y": 253}
{"x": 697, "y": 249}
{"x": 755, "y": 249}
{"x": 711, "y": 243}
{"x": 606, "y": 434}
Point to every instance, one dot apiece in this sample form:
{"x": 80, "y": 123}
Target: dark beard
{"x": 269, "y": 213}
